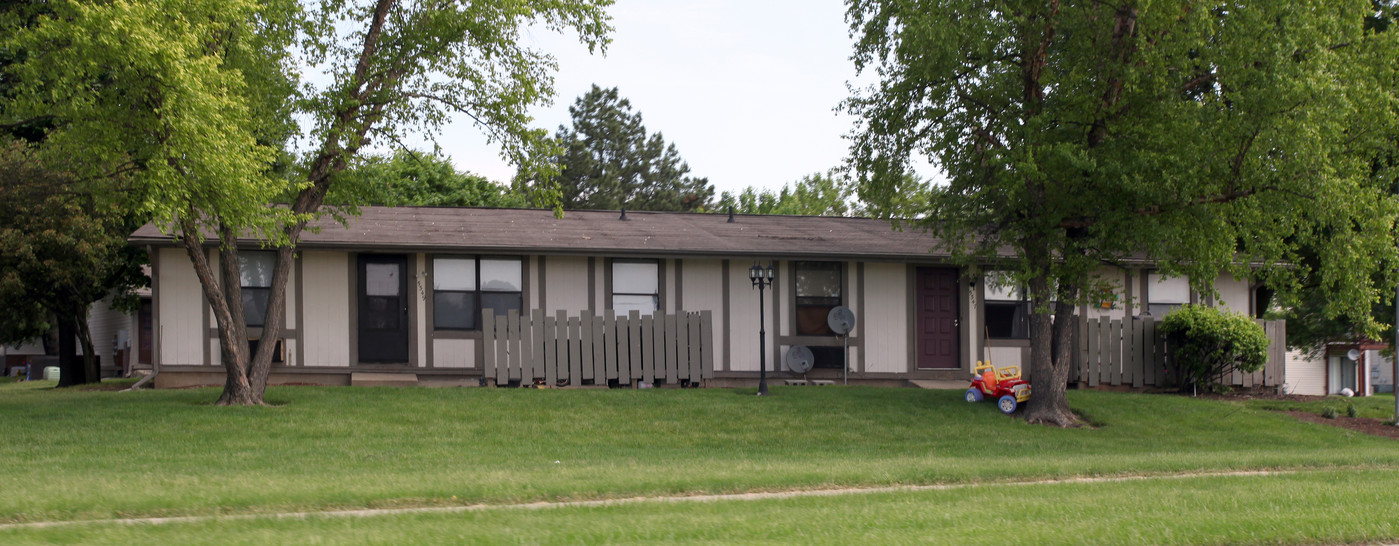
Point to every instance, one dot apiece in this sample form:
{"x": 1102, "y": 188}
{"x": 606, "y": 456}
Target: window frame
{"x": 244, "y": 256}
{"x": 797, "y": 298}
{"x": 477, "y": 301}
{"x": 612, "y": 292}
{"x": 1020, "y": 303}
{"x": 1165, "y": 306}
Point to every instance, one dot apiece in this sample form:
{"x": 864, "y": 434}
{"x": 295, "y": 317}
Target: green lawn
{"x": 102, "y": 454}
{"x": 1379, "y": 406}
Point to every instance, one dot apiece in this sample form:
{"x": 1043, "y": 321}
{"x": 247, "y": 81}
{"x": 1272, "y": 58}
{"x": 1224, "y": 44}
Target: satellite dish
{"x": 841, "y": 320}
{"x": 799, "y": 359}
{"x": 1353, "y": 354}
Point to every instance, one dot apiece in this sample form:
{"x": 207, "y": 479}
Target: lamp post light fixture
{"x": 762, "y": 278}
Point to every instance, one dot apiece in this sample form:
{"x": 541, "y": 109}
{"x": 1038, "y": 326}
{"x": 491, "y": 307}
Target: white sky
{"x": 745, "y": 89}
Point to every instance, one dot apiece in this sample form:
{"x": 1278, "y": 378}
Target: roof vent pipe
{"x": 624, "y": 215}
{"x": 731, "y": 214}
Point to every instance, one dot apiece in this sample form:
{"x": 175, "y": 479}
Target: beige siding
{"x": 971, "y": 316}
{"x": 1007, "y": 356}
{"x": 453, "y": 353}
{"x": 108, "y": 328}
{"x": 1233, "y": 294}
{"x": 703, "y": 290}
{"x": 670, "y": 278}
{"x": 1117, "y": 279}
{"x": 600, "y": 301}
{"x": 418, "y": 287}
{"x": 291, "y": 302}
{"x": 327, "y": 299}
{"x": 743, "y": 313}
{"x": 531, "y": 266}
{"x": 1381, "y": 369}
{"x": 1305, "y": 374}
{"x": 181, "y": 305}
{"x": 782, "y": 299}
{"x": 216, "y": 352}
{"x": 886, "y": 322}
{"x": 567, "y": 289}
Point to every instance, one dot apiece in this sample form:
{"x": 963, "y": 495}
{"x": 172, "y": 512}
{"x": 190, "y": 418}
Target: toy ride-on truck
{"x": 1002, "y": 384}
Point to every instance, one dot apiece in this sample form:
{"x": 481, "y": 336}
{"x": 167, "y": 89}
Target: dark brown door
{"x": 143, "y": 333}
{"x": 383, "y": 308}
{"x": 937, "y": 319}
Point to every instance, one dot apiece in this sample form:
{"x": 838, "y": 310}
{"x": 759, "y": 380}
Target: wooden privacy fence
{"x": 1133, "y": 354}
{"x": 577, "y": 350}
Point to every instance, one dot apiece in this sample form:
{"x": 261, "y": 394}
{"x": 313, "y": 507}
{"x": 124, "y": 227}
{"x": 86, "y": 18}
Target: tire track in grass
{"x": 544, "y": 505}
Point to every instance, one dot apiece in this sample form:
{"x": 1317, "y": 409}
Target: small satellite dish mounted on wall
{"x": 799, "y": 359}
{"x": 1353, "y": 354}
{"x": 842, "y": 320}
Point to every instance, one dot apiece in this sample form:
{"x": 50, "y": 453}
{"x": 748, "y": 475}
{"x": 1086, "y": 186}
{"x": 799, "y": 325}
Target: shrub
{"x": 1351, "y": 411}
{"x": 1328, "y": 412}
{"x": 1206, "y": 343}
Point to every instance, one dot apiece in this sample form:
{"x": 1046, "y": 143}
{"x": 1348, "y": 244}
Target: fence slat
{"x": 599, "y": 354}
{"x": 575, "y": 352}
{"x": 706, "y": 345}
{"x": 693, "y": 340}
{"x": 513, "y": 350}
{"x": 617, "y": 326}
{"x": 1095, "y": 343}
{"x": 488, "y": 342}
{"x": 648, "y": 349}
{"x": 1139, "y": 347}
{"x": 502, "y": 349}
{"x": 1149, "y": 360}
{"x": 551, "y": 351}
{"x": 675, "y": 346}
{"x": 634, "y": 344}
{"x": 585, "y": 347}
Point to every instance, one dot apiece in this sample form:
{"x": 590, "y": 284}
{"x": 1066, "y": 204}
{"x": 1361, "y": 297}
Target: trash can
{"x": 51, "y": 373}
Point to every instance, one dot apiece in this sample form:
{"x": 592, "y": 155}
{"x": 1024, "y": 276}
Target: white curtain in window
{"x": 255, "y": 268}
{"x": 453, "y": 274}
{"x": 501, "y": 275}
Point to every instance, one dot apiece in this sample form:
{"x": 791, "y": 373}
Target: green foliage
{"x": 58, "y": 252}
{"x": 1352, "y": 411}
{"x": 1328, "y": 412}
{"x": 420, "y": 180}
{"x": 609, "y": 161}
{"x": 1206, "y": 343}
{"x": 815, "y": 194}
{"x": 1079, "y": 133}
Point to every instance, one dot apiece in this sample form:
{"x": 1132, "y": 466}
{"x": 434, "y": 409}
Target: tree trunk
{"x": 70, "y": 369}
{"x": 92, "y": 372}
{"x": 233, "y": 337}
{"x": 1051, "y": 345}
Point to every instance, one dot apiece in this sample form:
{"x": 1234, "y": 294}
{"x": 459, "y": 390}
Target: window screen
{"x": 255, "y": 276}
{"x": 1007, "y": 309}
{"x": 818, "y": 291}
{"x": 636, "y": 286}
{"x": 458, "y": 298}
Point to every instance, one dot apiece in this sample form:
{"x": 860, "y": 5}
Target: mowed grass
{"x": 1307, "y": 507}
{"x": 101, "y": 454}
{"x": 1379, "y": 406}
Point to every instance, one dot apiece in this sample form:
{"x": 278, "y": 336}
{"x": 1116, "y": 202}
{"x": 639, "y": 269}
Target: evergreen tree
{"x": 609, "y": 162}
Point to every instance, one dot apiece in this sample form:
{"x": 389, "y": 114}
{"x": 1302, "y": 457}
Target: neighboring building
{"x": 400, "y": 292}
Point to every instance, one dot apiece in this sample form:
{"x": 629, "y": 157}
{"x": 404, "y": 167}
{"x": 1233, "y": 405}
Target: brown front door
{"x": 937, "y": 319}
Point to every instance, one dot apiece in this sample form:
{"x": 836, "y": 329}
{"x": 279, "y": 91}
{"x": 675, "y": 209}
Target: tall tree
{"x": 194, "y": 96}
{"x": 58, "y": 254}
{"x": 609, "y": 162}
{"x": 1206, "y": 137}
{"x": 419, "y": 179}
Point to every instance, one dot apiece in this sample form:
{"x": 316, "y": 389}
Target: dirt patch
{"x": 1375, "y": 427}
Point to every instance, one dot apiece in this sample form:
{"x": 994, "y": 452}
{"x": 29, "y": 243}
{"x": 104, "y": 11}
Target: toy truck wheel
{"x": 1007, "y": 404}
{"x": 973, "y": 395}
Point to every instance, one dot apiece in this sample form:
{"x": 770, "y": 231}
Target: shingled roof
{"x": 526, "y": 231}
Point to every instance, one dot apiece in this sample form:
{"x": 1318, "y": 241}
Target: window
{"x": 255, "y": 275}
{"x": 818, "y": 291}
{"x": 1007, "y": 308}
{"x": 1166, "y": 294}
{"x": 462, "y": 287}
{"x": 636, "y": 286}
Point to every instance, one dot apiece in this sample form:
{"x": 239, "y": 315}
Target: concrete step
{"x": 370, "y": 379}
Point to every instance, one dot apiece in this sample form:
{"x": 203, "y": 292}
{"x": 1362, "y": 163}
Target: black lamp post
{"x": 762, "y": 278}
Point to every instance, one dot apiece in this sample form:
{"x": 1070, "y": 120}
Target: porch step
{"x": 370, "y": 379}
{"x": 939, "y": 384}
